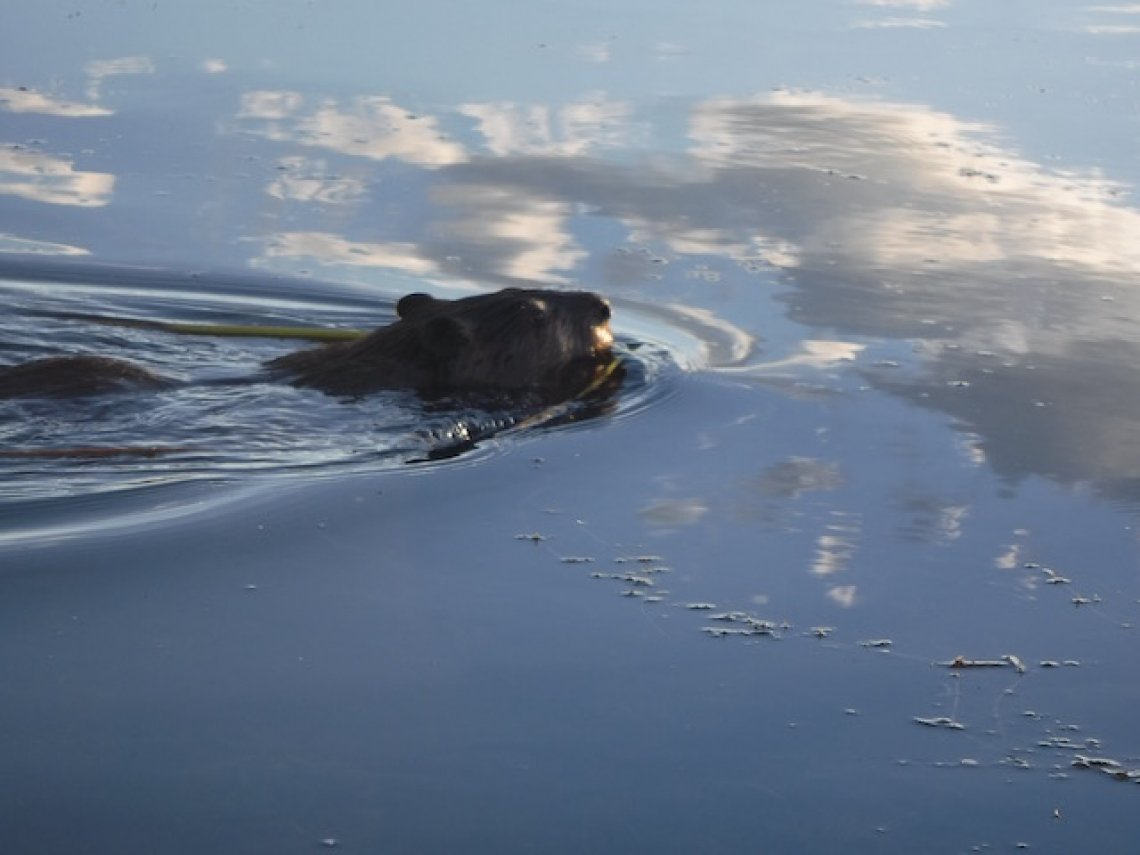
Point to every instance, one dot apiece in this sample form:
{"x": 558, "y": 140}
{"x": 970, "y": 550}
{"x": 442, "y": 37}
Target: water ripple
{"x": 221, "y": 425}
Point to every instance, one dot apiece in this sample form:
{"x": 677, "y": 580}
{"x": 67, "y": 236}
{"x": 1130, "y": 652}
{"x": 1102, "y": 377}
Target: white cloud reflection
{"x": 673, "y": 513}
{"x": 844, "y": 596}
{"x": 533, "y": 234}
{"x": 370, "y": 126}
{"x": 100, "y": 70}
{"x": 27, "y": 246}
{"x": 1112, "y": 29}
{"x": 906, "y": 184}
{"x": 26, "y": 100}
{"x": 896, "y": 196}
{"x": 328, "y": 248}
{"x": 813, "y": 354}
{"x": 22, "y": 100}
{"x": 599, "y": 52}
{"x": 900, "y": 24}
{"x": 40, "y": 177}
{"x": 918, "y": 5}
{"x": 310, "y": 180}
{"x": 572, "y": 130}
{"x": 886, "y": 220}
{"x": 836, "y": 546}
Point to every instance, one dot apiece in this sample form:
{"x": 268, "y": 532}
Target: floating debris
{"x": 725, "y": 631}
{"x": 533, "y": 537}
{"x": 759, "y": 626}
{"x": 880, "y": 643}
{"x": 730, "y": 616}
{"x": 721, "y": 631}
{"x": 1086, "y": 601}
{"x": 1113, "y": 768}
{"x": 821, "y": 631}
{"x": 632, "y": 578}
{"x": 1007, "y": 661}
{"x": 638, "y": 559}
{"x": 651, "y": 569}
{"x": 1052, "y": 578}
{"x": 1065, "y": 743}
{"x": 940, "y": 721}
{"x": 576, "y": 559}
{"x": 752, "y": 625}
{"x": 700, "y": 607}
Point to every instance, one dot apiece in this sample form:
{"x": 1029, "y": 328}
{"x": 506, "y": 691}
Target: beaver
{"x": 540, "y": 344}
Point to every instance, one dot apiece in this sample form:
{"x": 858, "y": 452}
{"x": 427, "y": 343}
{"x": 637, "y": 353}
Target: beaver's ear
{"x": 413, "y": 303}
{"x": 444, "y": 336}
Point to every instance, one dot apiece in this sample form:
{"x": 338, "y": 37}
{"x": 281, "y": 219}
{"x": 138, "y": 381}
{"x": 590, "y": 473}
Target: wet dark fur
{"x": 73, "y": 377}
{"x": 539, "y": 343}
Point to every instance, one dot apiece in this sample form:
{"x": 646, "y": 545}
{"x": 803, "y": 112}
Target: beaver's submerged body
{"x": 540, "y": 343}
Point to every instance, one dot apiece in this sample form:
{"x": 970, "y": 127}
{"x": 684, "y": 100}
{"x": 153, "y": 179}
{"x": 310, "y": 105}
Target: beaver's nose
{"x": 603, "y": 309}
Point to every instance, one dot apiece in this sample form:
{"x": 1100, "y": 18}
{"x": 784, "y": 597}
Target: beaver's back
{"x": 74, "y": 376}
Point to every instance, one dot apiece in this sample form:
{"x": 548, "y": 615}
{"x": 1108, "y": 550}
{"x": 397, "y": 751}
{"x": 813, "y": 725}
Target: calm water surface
{"x": 874, "y": 267}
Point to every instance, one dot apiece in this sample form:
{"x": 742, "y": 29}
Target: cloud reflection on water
{"x": 886, "y": 220}
{"x": 1014, "y": 284}
{"x": 23, "y": 100}
{"x": 573, "y": 130}
{"x": 370, "y": 126}
{"x": 334, "y": 249}
{"x": 101, "y": 70}
{"x": 40, "y": 177}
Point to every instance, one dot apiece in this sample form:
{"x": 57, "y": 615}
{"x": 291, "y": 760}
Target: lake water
{"x": 849, "y": 564}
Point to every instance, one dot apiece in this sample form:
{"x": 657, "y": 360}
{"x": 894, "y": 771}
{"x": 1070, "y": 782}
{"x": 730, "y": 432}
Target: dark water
{"x": 874, "y": 265}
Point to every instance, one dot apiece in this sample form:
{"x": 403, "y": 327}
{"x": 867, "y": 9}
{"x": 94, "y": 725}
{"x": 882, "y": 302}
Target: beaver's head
{"x": 548, "y": 342}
